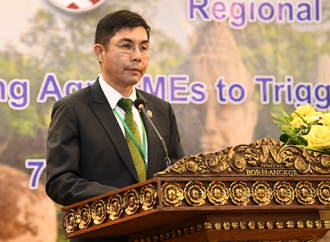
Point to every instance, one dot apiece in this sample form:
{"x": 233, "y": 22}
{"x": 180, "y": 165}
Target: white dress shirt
{"x": 113, "y": 97}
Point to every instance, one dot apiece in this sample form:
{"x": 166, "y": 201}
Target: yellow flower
{"x": 303, "y": 110}
{"x": 318, "y": 137}
{"x": 326, "y": 119}
{"x": 317, "y": 114}
{"x": 297, "y": 122}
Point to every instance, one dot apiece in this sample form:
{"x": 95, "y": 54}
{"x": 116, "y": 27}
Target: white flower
{"x": 315, "y": 117}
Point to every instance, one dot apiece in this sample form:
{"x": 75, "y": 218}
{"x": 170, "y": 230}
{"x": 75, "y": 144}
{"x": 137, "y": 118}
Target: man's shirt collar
{"x": 112, "y": 95}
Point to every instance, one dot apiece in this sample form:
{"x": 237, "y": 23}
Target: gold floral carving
{"x": 167, "y": 235}
{"x": 173, "y": 234}
{"x": 262, "y": 153}
{"x": 98, "y": 211}
{"x": 234, "y": 225}
{"x": 283, "y": 193}
{"x": 199, "y": 227}
{"x": 162, "y": 237}
{"x": 207, "y": 226}
{"x": 326, "y": 224}
{"x": 172, "y": 194}
{"x": 185, "y": 231}
{"x": 260, "y": 225}
{"x": 309, "y": 224}
{"x": 84, "y": 216}
{"x": 251, "y": 225}
{"x": 217, "y": 193}
{"x": 148, "y": 239}
{"x": 290, "y": 224}
{"x": 242, "y": 225}
{"x": 131, "y": 201}
{"x": 323, "y": 192}
{"x": 226, "y": 226}
{"x": 115, "y": 206}
{"x": 179, "y": 232}
{"x": 217, "y": 226}
{"x": 155, "y": 238}
{"x": 269, "y": 225}
{"x": 300, "y": 224}
{"x": 148, "y": 197}
{"x": 192, "y": 229}
{"x": 261, "y": 192}
{"x": 195, "y": 193}
{"x": 305, "y": 193}
{"x": 69, "y": 221}
{"x": 318, "y": 224}
{"x": 239, "y": 193}
{"x": 279, "y": 225}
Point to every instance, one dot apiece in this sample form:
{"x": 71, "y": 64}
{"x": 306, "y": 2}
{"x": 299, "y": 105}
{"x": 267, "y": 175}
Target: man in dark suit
{"x": 87, "y": 150}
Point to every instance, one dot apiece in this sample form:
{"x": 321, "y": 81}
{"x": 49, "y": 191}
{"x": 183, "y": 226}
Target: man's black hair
{"x": 113, "y": 22}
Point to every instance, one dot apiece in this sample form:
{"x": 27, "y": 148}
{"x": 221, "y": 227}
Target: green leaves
{"x": 290, "y": 136}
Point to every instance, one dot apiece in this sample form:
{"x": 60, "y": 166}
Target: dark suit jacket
{"x": 87, "y": 153}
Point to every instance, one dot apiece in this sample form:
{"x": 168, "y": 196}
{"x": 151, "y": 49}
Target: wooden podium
{"x": 263, "y": 191}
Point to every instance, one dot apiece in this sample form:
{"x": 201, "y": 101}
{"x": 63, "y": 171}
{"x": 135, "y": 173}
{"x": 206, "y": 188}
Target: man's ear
{"x": 99, "y": 51}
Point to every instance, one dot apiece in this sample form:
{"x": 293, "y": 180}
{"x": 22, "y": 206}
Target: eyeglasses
{"x": 128, "y": 48}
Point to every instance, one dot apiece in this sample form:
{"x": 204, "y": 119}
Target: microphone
{"x": 139, "y": 104}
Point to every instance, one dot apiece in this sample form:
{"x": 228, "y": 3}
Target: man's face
{"x": 121, "y": 70}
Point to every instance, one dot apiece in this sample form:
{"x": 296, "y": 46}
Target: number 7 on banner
{"x": 38, "y": 165}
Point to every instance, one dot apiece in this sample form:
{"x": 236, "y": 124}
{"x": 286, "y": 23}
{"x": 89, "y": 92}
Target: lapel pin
{"x": 149, "y": 113}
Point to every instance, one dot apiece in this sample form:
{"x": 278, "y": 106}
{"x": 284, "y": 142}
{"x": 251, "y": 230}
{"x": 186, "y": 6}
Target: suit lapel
{"x": 153, "y": 140}
{"x": 108, "y": 120}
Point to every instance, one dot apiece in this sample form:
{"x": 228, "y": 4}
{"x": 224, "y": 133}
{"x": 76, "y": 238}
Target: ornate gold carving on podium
{"x": 217, "y": 226}
{"x": 172, "y": 194}
{"x": 264, "y": 153}
{"x": 226, "y": 226}
{"x": 69, "y": 222}
{"x": 300, "y": 224}
{"x": 115, "y": 206}
{"x": 318, "y": 224}
{"x": 194, "y": 193}
{"x": 207, "y": 225}
{"x": 84, "y": 216}
{"x": 283, "y": 193}
{"x": 217, "y": 193}
{"x": 234, "y": 225}
{"x": 261, "y": 192}
{"x": 251, "y": 225}
{"x": 242, "y": 225}
{"x": 323, "y": 192}
{"x": 309, "y": 224}
{"x": 260, "y": 225}
{"x": 326, "y": 224}
{"x": 279, "y": 225}
{"x": 239, "y": 193}
{"x": 131, "y": 201}
{"x": 305, "y": 193}
{"x": 98, "y": 212}
{"x": 290, "y": 224}
{"x": 269, "y": 225}
{"x": 148, "y": 197}
{"x": 192, "y": 229}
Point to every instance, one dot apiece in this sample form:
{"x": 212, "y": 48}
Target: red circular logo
{"x": 77, "y": 5}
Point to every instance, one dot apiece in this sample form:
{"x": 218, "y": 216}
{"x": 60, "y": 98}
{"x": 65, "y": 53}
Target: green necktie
{"x": 126, "y": 105}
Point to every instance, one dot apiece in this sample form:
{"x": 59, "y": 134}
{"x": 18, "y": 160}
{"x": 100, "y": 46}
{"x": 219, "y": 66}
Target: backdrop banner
{"x": 224, "y": 65}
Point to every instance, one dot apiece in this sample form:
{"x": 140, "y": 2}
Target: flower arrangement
{"x": 305, "y": 127}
